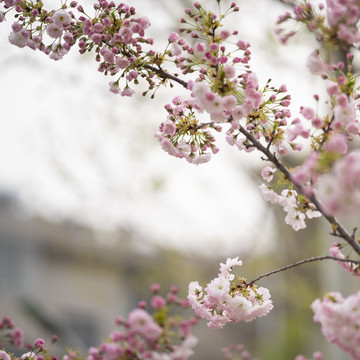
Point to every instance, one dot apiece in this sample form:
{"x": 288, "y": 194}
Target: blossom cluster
{"x": 13, "y": 335}
{"x": 160, "y": 335}
{"x": 228, "y": 298}
{"x": 181, "y": 135}
{"x": 114, "y": 33}
{"x": 227, "y": 90}
{"x": 340, "y": 320}
{"x": 333, "y": 24}
{"x": 297, "y": 208}
{"x": 237, "y": 352}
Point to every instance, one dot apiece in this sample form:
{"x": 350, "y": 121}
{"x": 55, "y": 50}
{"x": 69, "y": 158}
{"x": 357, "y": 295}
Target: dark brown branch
{"x": 163, "y": 74}
{"x": 301, "y": 262}
{"x": 338, "y": 228}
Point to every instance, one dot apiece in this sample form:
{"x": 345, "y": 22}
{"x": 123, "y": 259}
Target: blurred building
{"x": 57, "y": 279}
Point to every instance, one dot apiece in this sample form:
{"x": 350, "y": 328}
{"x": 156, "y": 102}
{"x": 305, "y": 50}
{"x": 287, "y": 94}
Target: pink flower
{"x": 333, "y": 89}
{"x": 39, "y": 343}
{"x": 61, "y": 18}
{"x": 229, "y": 71}
{"x": 17, "y": 38}
{"x": 308, "y": 113}
{"x": 17, "y": 337}
{"x": 222, "y": 302}
{"x": 4, "y": 355}
{"x": 267, "y": 173}
{"x": 340, "y": 320}
{"x": 141, "y": 322}
{"x": 200, "y": 47}
{"x": 114, "y": 87}
{"x": 176, "y": 49}
{"x": 229, "y": 102}
{"x": 173, "y": 37}
{"x": 158, "y": 302}
{"x": 54, "y": 30}
{"x": 127, "y": 92}
{"x": 122, "y": 63}
{"x": 337, "y": 143}
{"x": 169, "y": 128}
{"x": 111, "y": 351}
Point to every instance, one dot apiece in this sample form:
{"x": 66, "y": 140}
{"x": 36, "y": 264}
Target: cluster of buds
{"x": 334, "y": 24}
{"x": 160, "y": 335}
{"x": 10, "y": 333}
{"x": 228, "y": 298}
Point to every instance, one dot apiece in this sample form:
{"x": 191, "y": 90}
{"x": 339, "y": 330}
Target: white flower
{"x": 296, "y": 220}
{"x": 312, "y": 213}
{"x": 227, "y": 267}
{"x": 17, "y": 38}
{"x": 269, "y": 194}
{"x": 219, "y": 287}
{"x": 202, "y": 158}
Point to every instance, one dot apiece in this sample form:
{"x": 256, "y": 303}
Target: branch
{"x": 338, "y": 228}
{"x": 301, "y": 262}
{"x": 163, "y": 74}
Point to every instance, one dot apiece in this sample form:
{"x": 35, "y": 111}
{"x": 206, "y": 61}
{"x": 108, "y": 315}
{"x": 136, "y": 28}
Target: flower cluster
{"x": 237, "y": 352}
{"x": 297, "y": 208}
{"x": 114, "y": 33}
{"x": 229, "y": 299}
{"x": 340, "y": 320}
{"x": 181, "y": 135}
{"x": 12, "y": 334}
{"x": 157, "y": 336}
{"x": 162, "y": 335}
{"x": 333, "y": 24}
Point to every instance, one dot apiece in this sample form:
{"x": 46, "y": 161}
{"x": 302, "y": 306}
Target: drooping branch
{"x": 338, "y": 228}
{"x": 301, "y": 262}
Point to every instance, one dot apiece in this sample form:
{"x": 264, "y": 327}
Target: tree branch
{"x": 338, "y": 228}
{"x": 163, "y": 74}
{"x": 301, "y": 262}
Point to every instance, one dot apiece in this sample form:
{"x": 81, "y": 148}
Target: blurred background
{"x": 92, "y": 211}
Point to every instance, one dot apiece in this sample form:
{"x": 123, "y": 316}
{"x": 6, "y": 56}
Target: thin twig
{"x": 301, "y": 262}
